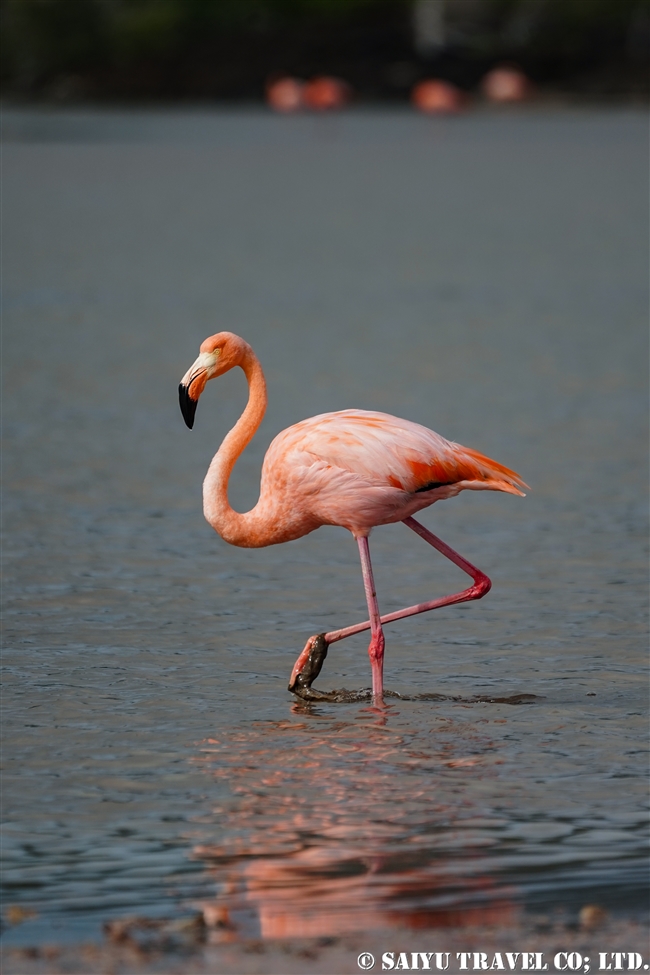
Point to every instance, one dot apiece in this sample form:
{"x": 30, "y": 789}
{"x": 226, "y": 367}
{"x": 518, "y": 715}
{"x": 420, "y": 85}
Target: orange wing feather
{"x": 467, "y": 467}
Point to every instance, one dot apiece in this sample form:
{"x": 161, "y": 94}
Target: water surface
{"x": 485, "y": 276}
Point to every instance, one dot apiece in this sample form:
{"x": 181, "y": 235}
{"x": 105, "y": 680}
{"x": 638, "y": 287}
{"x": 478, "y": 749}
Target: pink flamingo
{"x": 354, "y": 468}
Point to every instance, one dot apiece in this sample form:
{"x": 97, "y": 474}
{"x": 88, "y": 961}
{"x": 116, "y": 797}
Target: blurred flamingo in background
{"x": 321, "y": 94}
{"x": 506, "y": 84}
{"x": 325, "y": 94}
{"x": 285, "y": 94}
{"x": 436, "y": 97}
{"x": 353, "y": 468}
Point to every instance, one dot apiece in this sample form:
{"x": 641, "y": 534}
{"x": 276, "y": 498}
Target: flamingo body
{"x": 359, "y": 469}
{"x": 355, "y": 468}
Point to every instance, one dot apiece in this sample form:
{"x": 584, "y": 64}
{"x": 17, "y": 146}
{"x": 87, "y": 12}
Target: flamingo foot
{"x": 308, "y": 665}
{"x": 307, "y": 668}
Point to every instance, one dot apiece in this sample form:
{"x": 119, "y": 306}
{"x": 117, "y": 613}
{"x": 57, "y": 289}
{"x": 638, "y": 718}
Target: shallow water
{"x": 485, "y": 276}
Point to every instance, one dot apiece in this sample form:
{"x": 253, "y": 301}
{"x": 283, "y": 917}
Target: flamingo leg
{"x": 316, "y": 646}
{"x": 481, "y": 586}
{"x": 376, "y": 647}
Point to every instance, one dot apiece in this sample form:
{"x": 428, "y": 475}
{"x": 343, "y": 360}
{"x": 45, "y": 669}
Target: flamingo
{"x": 353, "y": 468}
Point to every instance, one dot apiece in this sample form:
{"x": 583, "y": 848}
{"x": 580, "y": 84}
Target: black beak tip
{"x": 187, "y": 404}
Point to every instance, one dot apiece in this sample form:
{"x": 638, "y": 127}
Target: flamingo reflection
{"x": 342, "y": 826}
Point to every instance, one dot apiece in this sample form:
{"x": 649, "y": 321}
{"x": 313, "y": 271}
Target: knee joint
{"x": 481, "y": 587}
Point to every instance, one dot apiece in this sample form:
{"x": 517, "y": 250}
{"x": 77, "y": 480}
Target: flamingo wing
{"x": 384, "y": 450}
{"x": 359, "y": 469}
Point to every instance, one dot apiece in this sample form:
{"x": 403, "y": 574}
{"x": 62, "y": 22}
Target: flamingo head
{"x": 217, "y": 355}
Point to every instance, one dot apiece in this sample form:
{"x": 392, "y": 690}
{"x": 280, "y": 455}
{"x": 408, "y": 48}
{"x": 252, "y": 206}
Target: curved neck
{"x": 233, "y": 526}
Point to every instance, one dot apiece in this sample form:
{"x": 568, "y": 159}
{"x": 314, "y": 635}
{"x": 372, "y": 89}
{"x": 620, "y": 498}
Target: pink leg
{"x": 482, "y": 585}
{"x": 376, "y": 648}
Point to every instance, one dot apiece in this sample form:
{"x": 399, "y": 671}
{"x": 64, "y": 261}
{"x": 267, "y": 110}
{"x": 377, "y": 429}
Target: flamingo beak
{"x": 187, "y": 404}
{"x": 192, "y": 385}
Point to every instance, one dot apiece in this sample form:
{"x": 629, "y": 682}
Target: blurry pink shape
{"x": 437, "y": 97}
{"x": 285, "y": 94}
{"x": 326, "y": 94}
{"x": 505, "y": 85}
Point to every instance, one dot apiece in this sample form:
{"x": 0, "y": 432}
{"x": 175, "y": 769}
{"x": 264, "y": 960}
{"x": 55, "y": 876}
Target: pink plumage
{"x": 360, "y": 469}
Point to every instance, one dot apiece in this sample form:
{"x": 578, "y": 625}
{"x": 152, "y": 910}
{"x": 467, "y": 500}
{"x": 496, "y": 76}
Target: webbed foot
{"x": 307, "y": 668}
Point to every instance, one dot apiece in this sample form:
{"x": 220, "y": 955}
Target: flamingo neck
{"x": 235, "y": 527}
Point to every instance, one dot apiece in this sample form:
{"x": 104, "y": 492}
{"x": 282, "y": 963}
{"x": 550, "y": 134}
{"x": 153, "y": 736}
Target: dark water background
{"x": 485, "y": 276}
